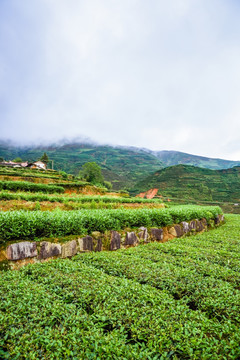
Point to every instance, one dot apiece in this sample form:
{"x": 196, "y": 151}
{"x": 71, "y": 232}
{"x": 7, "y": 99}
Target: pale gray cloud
{"x": 157, "y": 74}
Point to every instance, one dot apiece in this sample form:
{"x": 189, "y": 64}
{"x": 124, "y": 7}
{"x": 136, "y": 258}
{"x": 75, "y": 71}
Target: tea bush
{"x": 27, "y": 224}
{"x": 28, "y": 186}
{"x": 176, "y": 300}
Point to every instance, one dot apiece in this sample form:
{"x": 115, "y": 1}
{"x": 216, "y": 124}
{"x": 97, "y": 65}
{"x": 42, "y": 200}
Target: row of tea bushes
{"x": 29, "y": 225}
{"x": 28, "y": 186}
{"x": 70, "y": 310}
{"x": 5, "y": 195}
{"x": 21, "y": 253}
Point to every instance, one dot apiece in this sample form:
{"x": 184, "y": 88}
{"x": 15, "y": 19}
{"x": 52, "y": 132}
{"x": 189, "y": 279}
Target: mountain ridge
{"x": 124, "y": 166}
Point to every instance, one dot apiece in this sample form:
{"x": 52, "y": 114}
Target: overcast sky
{"x": 159, "y": 74}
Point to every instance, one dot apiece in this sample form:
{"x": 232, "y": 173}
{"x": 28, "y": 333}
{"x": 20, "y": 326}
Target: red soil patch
{"x": 148, "y": 194}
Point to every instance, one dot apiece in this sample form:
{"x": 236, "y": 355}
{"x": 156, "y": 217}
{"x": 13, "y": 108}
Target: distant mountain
{"x": 170, "y": 158}
{"x": 123, "y": 166}
{"x": 189, "y": 182}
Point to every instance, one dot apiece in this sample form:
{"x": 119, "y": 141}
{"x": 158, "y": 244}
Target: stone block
{"x": 21, "y": 250}
{"x": 97, "y": 245}
{"x": 179, "y": 230}
{"x": 48, "y": 250}
{"x": 217, "y": 220}
{"x": 193, "y": 225}
{"x": 131, "y": 239}
{"x": 157, "y": 234}
{"x": 97, "y": 240}
{"x": 185, "y": 227}
{"x": 221, "y": 217}
{"x": 115, "y": 242}
{"x": 86, "y": 243}
{"x": 143, "y": 234}
{"x": 172, "y": 231}
{"x": 69, "y": 249}
{"x": 199, "y": 226}
{"x": 204, "y": 222}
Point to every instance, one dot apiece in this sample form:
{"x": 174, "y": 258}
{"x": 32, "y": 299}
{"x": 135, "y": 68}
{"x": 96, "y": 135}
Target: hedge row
{"x": 4, "y": 195}
{"x": 26, "y": 224}
{"x": 28, "y": 186}
{"x": 80, "y": 312}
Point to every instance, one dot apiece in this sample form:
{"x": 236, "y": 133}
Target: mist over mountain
{"x": 122, "y": 165}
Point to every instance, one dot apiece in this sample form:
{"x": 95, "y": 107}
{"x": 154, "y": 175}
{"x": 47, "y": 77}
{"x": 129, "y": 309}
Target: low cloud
{"x": 156, "y": 74}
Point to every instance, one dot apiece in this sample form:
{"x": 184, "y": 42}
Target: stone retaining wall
{"x": 21, "y": 253}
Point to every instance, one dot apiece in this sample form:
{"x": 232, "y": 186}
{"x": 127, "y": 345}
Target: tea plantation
{"x": 174, "y": 300}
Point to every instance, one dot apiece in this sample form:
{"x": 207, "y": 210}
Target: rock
{"x": 172, "y": 231}
{"x": 204, "y": 222}
{"x": 21, "y": 250}
{"x": 96, "y": 234}
{"x": 217, "y": 220}
{"x": 179, "y": 230}
{"x": 3, "y": 255}
{"x": 131, "y": 239}
{"x": 193, "y": 225}
{"x": 48, "y": 250}
{"x": 97, "y": 245}
{"x": 86, "y": 243}
{"x": 143, "y": 234}
{"x": 97, "y": 240}
{"x": 115, "y": 242}
{"x": 199, "y": 226}
{"x": 185, "y": 227}
{"x": 157, "y": 234}
{"x": 69, "y": 249}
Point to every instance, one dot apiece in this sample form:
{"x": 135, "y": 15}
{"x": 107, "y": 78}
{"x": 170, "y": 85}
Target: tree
{"x": 44, "y": 158}
{"x": 92, "y": 173}
{"x": 17, "y": 160}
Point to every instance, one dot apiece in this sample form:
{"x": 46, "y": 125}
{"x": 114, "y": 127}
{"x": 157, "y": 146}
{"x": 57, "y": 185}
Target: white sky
{"x": 159, "y": 74}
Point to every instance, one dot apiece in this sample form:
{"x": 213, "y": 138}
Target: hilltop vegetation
{"x": 192, "y": 183}
{"x": 122, "y": 166}
{"x": 171, "y": 158}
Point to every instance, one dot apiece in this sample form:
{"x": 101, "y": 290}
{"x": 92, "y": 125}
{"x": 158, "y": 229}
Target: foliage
{"x": 29, "y": 173}
{"x": 26, "y": 224}
{"x": 122, "y": 167}
{"x": 175, "y": 300}
{"x": 108, "y": 185}
{"x": 4, "y": 195}
{"x": 189, "y": 182}
{"x": 44, "y": 158}
{"x": 17, "y": 160}
{"x": 28, "y": 186}
{"x": 63, "y": 174}
{"x": 91, "y": 172}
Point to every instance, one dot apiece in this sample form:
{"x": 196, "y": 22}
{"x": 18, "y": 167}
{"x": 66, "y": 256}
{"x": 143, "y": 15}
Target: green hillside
{"x": 189, "y": 182}
{"x": 170, "y": 158}
{"x": 122, "y": 166}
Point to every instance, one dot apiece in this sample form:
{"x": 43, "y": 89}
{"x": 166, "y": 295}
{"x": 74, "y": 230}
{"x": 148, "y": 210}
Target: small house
{"x": 38, "y": 165}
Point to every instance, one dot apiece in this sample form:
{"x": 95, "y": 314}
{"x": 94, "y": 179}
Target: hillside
{"x": 189, "y": 182}
{"x": 122, "y": 166}
{"x": 171, "y": 158}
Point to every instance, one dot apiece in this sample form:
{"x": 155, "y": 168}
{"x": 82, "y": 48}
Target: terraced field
{"x": 175, "y": 300}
